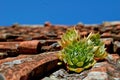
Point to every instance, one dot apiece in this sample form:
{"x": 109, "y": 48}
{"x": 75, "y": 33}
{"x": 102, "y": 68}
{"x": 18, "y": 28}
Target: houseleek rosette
{"x": 77, "y": 56}
{"x": 99, "y": 47}
{"x": 80, "y": 53}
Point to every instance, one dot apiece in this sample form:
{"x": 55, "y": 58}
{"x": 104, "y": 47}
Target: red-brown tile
{"x": 27, "y": 67}
{"x": 29, "y": 47}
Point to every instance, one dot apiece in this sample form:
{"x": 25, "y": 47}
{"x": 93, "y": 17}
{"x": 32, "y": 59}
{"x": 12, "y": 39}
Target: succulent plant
{"x": 77, "y": 56}
{"x": 80, "y": 53}
{"x": 99, "y": 46}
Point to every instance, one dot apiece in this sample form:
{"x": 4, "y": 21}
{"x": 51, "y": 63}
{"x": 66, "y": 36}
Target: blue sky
{"x": 66, "y": 12}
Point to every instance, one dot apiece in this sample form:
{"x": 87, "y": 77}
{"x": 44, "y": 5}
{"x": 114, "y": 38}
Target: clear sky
{"x": 58, "y": 11}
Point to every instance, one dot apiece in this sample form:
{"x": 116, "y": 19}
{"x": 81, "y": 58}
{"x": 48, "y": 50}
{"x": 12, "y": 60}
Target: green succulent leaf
{"x": 80, "y": 64}
{"x": 75, "y": 60}
{"x": 69, "y": 62}
{"x": 77, "y": 70}
{"x": 89, "y": 64}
